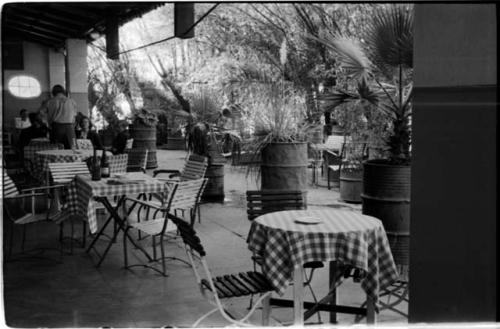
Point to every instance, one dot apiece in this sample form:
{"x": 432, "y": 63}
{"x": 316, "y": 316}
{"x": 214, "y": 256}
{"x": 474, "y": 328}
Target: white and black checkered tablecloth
{"x": 83, "y": 191}
{"x": 344, "y": 236}
{"x": 43, "y": 158}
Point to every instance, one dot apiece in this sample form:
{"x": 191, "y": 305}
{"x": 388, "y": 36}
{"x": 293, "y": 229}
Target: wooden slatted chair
{"x": 84, "y": 144}
{"x": 194, "y": 168}
{"x": 266, "y": 201}
{"x": 118, "y": 164}
{"x": 222, "y": 287}
{"x": 62, "y": 174}
{"x": 182, "y": 195}
{"x": 14, "y": 208}
{"x": 137, "y": 160}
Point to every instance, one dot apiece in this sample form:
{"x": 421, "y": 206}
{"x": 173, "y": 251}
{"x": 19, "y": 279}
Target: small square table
{"x": 85, "y": 194}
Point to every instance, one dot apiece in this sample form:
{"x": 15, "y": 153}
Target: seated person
{"x": 22, "y": 122}
{"x": 85, "y": 131}
{"x": 120, "y": 141}
{"x": 37, "y": 130}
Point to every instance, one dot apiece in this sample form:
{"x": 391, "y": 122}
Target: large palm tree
{"x": 381, "y": 66}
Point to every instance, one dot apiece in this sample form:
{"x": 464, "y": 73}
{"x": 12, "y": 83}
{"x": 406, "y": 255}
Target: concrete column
{"x": 76, "y": 73}
{"x": 453, "y": 207}
{"x": 57, "y": 68}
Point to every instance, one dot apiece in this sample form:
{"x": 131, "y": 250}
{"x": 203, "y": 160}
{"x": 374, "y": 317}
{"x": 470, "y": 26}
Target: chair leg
{"x": 328, "y": 177}
{"x": 153, "y": 238}
{"x": 266, "y": 310}
{"x": 199, "y": 213}
{"x": 163, "y": 266}
{"x": 125, "y": 259}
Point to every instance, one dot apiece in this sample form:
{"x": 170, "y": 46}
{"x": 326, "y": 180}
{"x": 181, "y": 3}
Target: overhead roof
{"x": 50, "y": 23}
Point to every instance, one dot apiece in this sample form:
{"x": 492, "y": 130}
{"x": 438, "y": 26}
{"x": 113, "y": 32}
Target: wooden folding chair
{"x": 182, "y": 195}
{"x": 223, "y": 287}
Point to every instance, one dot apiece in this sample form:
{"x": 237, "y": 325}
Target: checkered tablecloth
{"x": 83, "y": 191}
{"x": 30, "y": 150}
{"x": 43, "y": 158}
{"x": 347, "y": 237}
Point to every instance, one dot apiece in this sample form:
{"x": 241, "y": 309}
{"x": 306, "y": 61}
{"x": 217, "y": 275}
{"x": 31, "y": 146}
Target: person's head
{"x": 85, "y": 124}
{"x": 24, "y": 114}
{"x": 123, "y": 125}
{"x": 58, "y": 89}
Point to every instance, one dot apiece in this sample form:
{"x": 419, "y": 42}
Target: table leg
{"x": 371, "y": 316}
{"x": 298, "y": 296}
{"x": 333, "y": 290}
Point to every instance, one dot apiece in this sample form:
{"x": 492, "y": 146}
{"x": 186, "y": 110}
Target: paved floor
{"x": 73, "y": 293}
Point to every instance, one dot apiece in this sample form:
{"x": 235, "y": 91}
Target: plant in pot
{"x": 381, "y": 71}
{"x": 143, "y": 131}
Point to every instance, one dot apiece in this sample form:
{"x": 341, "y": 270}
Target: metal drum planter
{"x": 351, "y": 185}
{"x": 145, "y": 138}
{"x": 284, "y": 166}
{"x": 386, "y": 195}
{"x": 214, "y": 191}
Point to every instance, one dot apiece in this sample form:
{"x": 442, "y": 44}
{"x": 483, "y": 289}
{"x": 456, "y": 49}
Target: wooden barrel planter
{"x": 386, "y": 196}
{"x": 284, "y": 166}
{"x": 145, "y": 138}
{"x": 214, "y": 191}
{"x": 351, "y": 185}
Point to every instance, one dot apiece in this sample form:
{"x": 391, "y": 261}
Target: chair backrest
{"x": 9, "y": 188}
{"x": 84, "y": 144}
{"x": 194, "y": 168}
{"x": 129, "y": 144}
{"x": 118, "y": 163}
{"x": 186, "y": 194}
{"x": 12, "y": 206}
{"x": 334, "y": 142}
{"x": 188, "y": 235}
{"x": 266, "y": 201}
{"x": 65, "y": 172}
{"x": 137, "y": 159}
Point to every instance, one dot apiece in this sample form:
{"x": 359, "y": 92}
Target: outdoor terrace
{"x": 42, "y": 293}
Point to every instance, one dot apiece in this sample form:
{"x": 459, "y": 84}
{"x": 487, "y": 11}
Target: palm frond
{"x": 350, "y": 54}
{"x": 390, "y": 39}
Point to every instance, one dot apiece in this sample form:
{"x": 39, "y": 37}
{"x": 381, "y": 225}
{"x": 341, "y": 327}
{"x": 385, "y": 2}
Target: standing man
{"x": 61, "y": 113}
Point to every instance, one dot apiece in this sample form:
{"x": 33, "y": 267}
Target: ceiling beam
{"x": 16, "y": 34}
{"x": 49, "y": 26}
{"x": 48, "y": 17}
{"x": 35, "y": 28}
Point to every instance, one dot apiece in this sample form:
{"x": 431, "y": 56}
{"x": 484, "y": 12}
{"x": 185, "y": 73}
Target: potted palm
{"x": 143, "y": 131}
{"x": 280, "y": 131}
{"x": 381, "y": 70}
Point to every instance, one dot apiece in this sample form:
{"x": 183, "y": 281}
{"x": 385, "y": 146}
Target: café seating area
{"x": 71, "y": 291}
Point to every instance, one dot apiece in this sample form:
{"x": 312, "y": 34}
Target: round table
{"x": 286, "y": 240}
